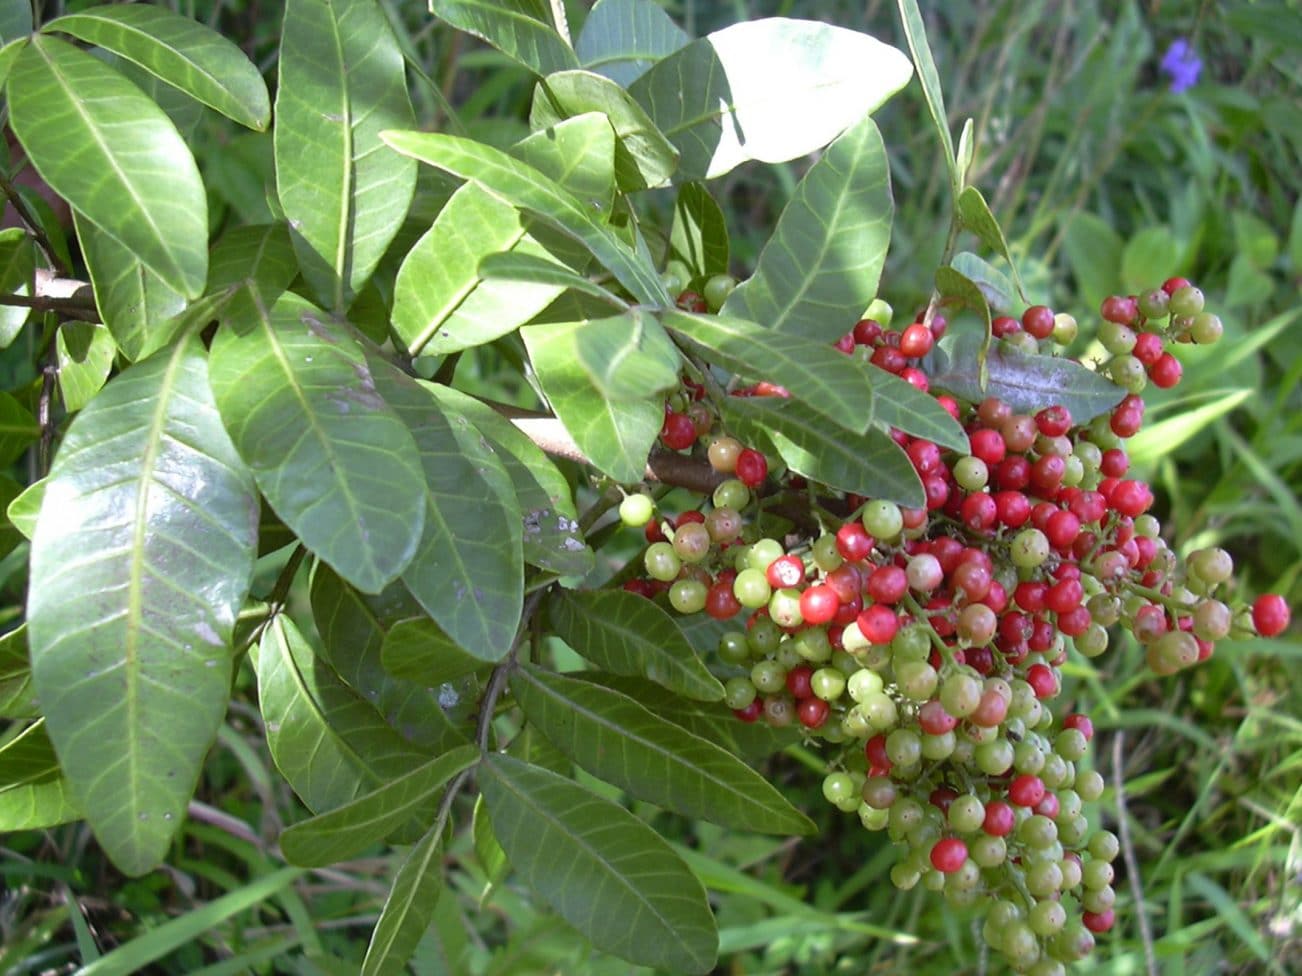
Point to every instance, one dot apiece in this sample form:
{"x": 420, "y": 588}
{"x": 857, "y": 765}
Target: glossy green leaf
{"x": 354, "y": 628}
{"x": 817, "y": 374}
{"x": 85, "y": 354}
{"x": 328, "y": 742}
{"x": 530, "y": 189}
{"x": 180, "y": 51}
{"x": 18, "y": 429}
{"x": 996, "y": 287}
{"x": 515, "y": 266}
{"x": 903, "y": 406}
{"x": 17, "y": 268}
{"x": 417, "y": 650}
{"x": 341, "y": 83}
{"x": 1027, "y": 383}
{"x": 521, "y": 29}
{"x": 257, "y": 263}
{"x": 698, "y": 236}
{"x": 15, "y": 19}
{"x": 110, "y": 152}
{"x": 579, "y": 154}
{"x": 622, "y": 39}
{"x": 820, "y": 269}
{"x": 871, "y": 465}
{"x": 33, "y": 793}
{"x": 975, "y": 214}
{"x": 628, "y": 356}
{"x": 346, "y": 831}
{"x": 130, "y": 638}
{"x": 628, "y": 634}
{"x": 643, "y": 156}
{"x": 134, "y": 302}
{"x": 769, "y": 90}
{"x": 442, "y": 303}
{"x": 617, "y": 740}
{"x": 916, "y": 33}
{"x": 616, "y": 435}
{"x": 408, "y": 909}
{"x": 23, "y": 510}
{"x": 331, "y": 457}
{"x": 606, "y": 872}
{"x": 17, "y": 700}
{"x": 551, "y": 536}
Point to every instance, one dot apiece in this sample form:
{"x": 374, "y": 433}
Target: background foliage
{"x": 1104, "y": 180}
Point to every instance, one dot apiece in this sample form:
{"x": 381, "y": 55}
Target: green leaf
{"x": 1146, "y": 260}
{"x": 85, "y": 354}
{"x": 916, "y": 33}
{"x": 130, "y": 638}
{"x": 468, "y": 571}
{"x": 256, "y": 262}
{"x": 615, "y": 435}
{"x": 331, "y": 457}
{"x": 769, "y": 90}
{"x": 824, "y": 379}
{"x": 442, "y": 303}
{"x": 17, "y": 268}
{"x": 872, "y": 465}
{"x": 33, "y": 793}
{"x": 531, "y": 190}
{"x": 995, "y": 286}
{"x": 341, "y": 83}
{"x": 23, "y": 510}
{"x": 551, "y": 536}
{"x": 628, "y": 634}
{"x": 346, "y": 831}
{"x": 966, "y": 151}
{"x": 408, "y": 909}
{"x": 605, "y": 871}
{"x": 181, "y": 52}
{"x": 110, "y": 152}
{"x": 514, "y": 266}
{"x": 10, "y": 537}
{"x": 903, "y": 406}
{"x": 520, "y": 29}
{"x": 643, "y": 156}
{"x": 417, "y": 650}
{"x": 622, "y": 39}
{"x": 1093, "y": 251}
{"x": 820, "y": 269}
{"x": 354, "y": 628}
{"x": 1027, "y": 383}
{"x": 627, "y": 356}
{"x": 975, "y": 214}
{"x": 16, "y": 697}
{"x": 962, "y": 292}
{"x": 1160, "y": 439}
{"x": 617, "y": 740}
{"x": 579, "y": 154}
{"x": 699, "y": 235}
{"x": 329, "y": 743}
{"x": 135, "y": 304}
{"x": 18, "y": 429}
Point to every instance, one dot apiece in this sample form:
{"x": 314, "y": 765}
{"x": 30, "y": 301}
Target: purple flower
{"x": 1182, "y": 65}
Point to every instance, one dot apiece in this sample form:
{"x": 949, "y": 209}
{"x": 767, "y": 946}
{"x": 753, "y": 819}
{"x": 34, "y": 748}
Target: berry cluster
{"x": 924, "y": 646}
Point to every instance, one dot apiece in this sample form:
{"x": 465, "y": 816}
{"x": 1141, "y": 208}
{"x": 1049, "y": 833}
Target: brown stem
{"x": 29, "y": 221}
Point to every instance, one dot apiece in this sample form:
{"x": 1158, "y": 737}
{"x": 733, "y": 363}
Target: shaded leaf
{"x": 85, "y": 354}
{"x": 975, "y": 214}
{"x": 417, "y": 650}
{"x": 617, "y": 740}
{"x": 341, "y": 82}
{"x": 130, "y": 636}
{"x": 33, "y": 793}
{"x": 346, "y": 831}
{"x": 994, "y": 285}
{"x": 110, "y": 152}
{"x": 699, "y": 234}
{"x": 332, "y": 458}
{"x": 520, "y": 29}
{"x": 15, "y": 20}
{"x": 605, "y": 871}
{"x": 769, "y": 90}
{"x": 408, "y": 908}
{"x": 256, "y": 262}
{"x": 18, "y": 429}
{"x": 820, "y": 269}
{"x": 629, "y": 635}
{"x": 903, "y": 406}
{"x": 17, "y": 268}
{"x": 621, "y": 39}
{"x": 10, "y": 537}
{"x": 16, "y": 697}
{"x": 181, "y": 52}
{"x": 627, "y": 356}
{"x": 960, "y": 291}
{"x": 491, "y": 856}
{"x": 579, "y": 154}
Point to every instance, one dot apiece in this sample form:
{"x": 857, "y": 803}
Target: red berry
{"x": 751, "y": 712}
{"x": 1053, "y": 421}
{"x": 934, "y": 720}
{"x": 1120, "y": 309}
{"x": 1270, "y": 615}
{"x": 812, "y": 712}
{"x": 1131, "y": 498}
{"x": 1004, "y": 325}
{"x": 678, "y": 432}
{"x": 948, "y": 855}
{"x": 752, "y": 468}
{"x": 1098, "y": 922}
{"x": 1000, "y": 819}
{"x": 846, "y": 343}
{"x": 874, "y": 751}
{"x": 1013, "y": 508}
{"x": 916, "y": 341}
{"x": 878, "y": 624}
{"x": 866, "y": 332}
{"x": 720, "y": 602}
{"x": 798, "y": 680}
{"x": 819, "y": 604}
{"x": 1062, "y": 529}
{"x": 1115, "y": 463}
{"x": 853, "y": 542}
{"x": 785, "y": 572}
{"x": 1042, "y": 681}
{"x": 1026, "y": 790}
{"x": 690, "y": 301}
{"x": 1148, "y": 348}
{"x": 888, "y": 584}
{"x": 988, "y": 445}
{"x": 1081, "y": 723}
{"x": 1166, "y": 372}
{"x": 1038, "y": 321}
{"x": 1172, "y": 285}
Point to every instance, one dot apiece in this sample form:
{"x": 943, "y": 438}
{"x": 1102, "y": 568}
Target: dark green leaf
{"x": 769, "y": 90}
{"x": 621, "y": 39}
{"x": 1027, "y": 383}
{"x": 627, "y": 356}
{"x": 110, "y": 152}
{"x": 994, "y": 285}
{"x": 530, "y": 189}
{"x": 579, "y": 154}
{"x": 628, "y": 634}
{"x": 181, "y": 52}
{"x": 872, "y": 465}
{"x": 515, "y": 266}
{"x": 17, "y": 267}
{"x": 408, "y": 909}
{"x": 18, "y": 429}
{"x": 605, "y": 871}
{"x": 417, "y": 650}
{"x": 903, "y": 406}
{"x": 617, "y": 740}
{"x": 341, "y": 83}
{"x": 916, "y": 32}
{"x": 616, "y": 435}
{"x": 699, "y": 235}
{"x": 130, "y": 638}
{"x": 16, "y": 697}
{"x": 643, "y": 156}
{"x": 824, "y": 379}
{"x": 256, "y": 262}
{"x": 331, "y": 457}
{"x": 33, "y": 793}
{"x": 820, "y": 269}
{"x": 975, "y": 214}
{"x": 85, "y": 355}
{"x": 442, "y": 303}
{"x": 348, "y": 830}
{"x": 520, "y": 29}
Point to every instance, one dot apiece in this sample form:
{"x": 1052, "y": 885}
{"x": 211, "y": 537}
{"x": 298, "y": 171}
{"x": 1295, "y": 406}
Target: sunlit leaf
{"x": 521, "y": 29}
{"x": 85, "y": 354}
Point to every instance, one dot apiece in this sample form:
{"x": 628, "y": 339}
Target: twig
{"x": 30, "y": 222}
{"x": 1128, "y": 852}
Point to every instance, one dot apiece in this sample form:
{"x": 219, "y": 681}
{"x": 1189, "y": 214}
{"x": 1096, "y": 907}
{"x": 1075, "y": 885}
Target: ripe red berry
{"x": 988, "y": 445}
{"x": 720, "y": 602}
{"x": 888, "y": 584}
{"x": 1148, "y": 348}
{"x": 678, "y": 432}
{"x": 1004, "y": 325}
{"x": 751, "y": 712}
{"x": 1081, "y": 723}
{"x": 1120, "y": 309}
{"x": 866, "y": 332}
{"x": 1026, "y": 790}
{"x": 1115, "y": 463}
{"x": 874, "y": 751}
{"x": 948, "y": 854}
{"x": 1000, "y": 819}
{"x": 1038, "y": 321}
{"x": 934, "y": 720}
{"x": 1053, "y": 421}
{"x": 916, "y": 341}
{"x": 846, "y": 343}
{"x": 785, "y": 572}
{"x": 798, "y": 680}
{"x": 812, "y": 712}
{"x": 819, "y": 604}
{"x": 1098, "y": 922}
{"x": 853, "y": 542}
{"x": 1166, "y": 372}
{"x": 752, "y": 468}
{"x": 1131, "y": 498}
{"x": 1270, "y": 615}
{"x": 1172, "y": 285}
{"x": 690, "y": 301}
{"x": 878, "y": 624}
